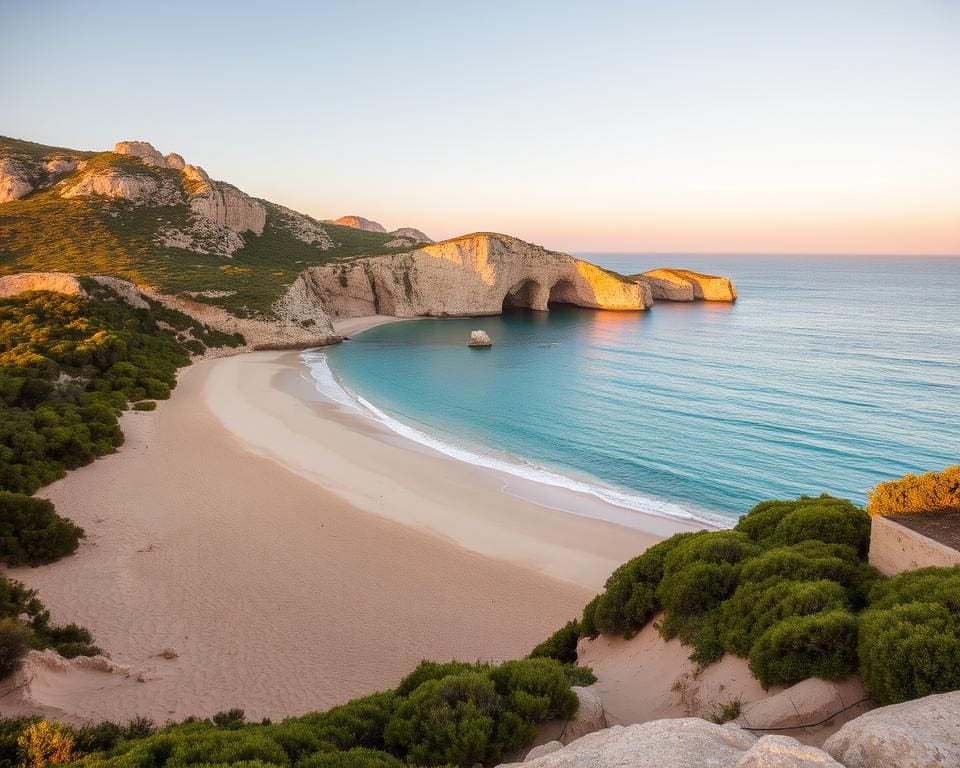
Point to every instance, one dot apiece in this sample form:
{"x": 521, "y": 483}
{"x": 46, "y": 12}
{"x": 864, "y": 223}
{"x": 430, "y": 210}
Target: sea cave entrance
{"x": 528, "y": 294}
{"x": 563, "y": 292}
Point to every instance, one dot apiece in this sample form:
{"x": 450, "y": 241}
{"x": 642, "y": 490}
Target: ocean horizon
{"x": 826, "y": 376}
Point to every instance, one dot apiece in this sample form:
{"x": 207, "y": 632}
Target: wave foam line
{"x": 330, "y": 386}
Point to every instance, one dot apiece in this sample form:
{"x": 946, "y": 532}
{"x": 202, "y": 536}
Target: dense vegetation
{"x": 68, "y": 366}
{"x": 789, "y": 589}
{"x": 915, "y": 494}
{"x": 45, "y": 232}
{"x": 453, "y": 714}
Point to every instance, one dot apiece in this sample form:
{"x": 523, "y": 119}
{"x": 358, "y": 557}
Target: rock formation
{"x": 805, "y": 703}
{"x": 680, "y": 743}
{"x": 477, "y": 274}
{"x": 11, "y": 285}
{"x": 923, "y": 733}
{"x": 358, "y": 222}
{"x": 684, "y": 285}
{"x": 21, "y": 174}
{"x": 412, "y": 234}
{"x": 479, "y": 339}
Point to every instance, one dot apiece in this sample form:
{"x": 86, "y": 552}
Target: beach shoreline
{"x": 293, "y": 556}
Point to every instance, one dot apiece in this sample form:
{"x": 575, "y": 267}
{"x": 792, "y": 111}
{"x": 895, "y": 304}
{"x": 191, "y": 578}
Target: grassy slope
{"x": 95, "y": 235}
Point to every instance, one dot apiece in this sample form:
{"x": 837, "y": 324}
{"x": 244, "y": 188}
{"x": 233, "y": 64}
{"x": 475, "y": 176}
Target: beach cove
{"x": 294, "y": 556}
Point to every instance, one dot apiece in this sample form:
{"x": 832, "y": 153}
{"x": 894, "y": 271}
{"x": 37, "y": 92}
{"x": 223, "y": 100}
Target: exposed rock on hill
{"x": 923, "y": 733}
{"x": 26, "y": 167}
{"x": 477, "y": 274}
{"x": 413, "y": 234}
{"x": 358, "y": 222}
{"x": 684, "y": 285}
{"x": 11, "y": 285}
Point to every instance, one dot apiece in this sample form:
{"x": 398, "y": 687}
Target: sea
{"x": 829, "y": 374}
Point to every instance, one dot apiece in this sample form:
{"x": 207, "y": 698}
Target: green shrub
{"x": 629, "y": 599}
{"x": 432, "y": 670}
{"x": 145, "y": 405}
{"x": 536, "y": 689}
{"x": 910, "y": 636}
{"x": 912, "y": 494}
{"x": 359, "y": 757}
{"x": 755, "y": 607}
{"x": 358, "y": 723}
{"x": 32, "y": 533}
{"x": 10, "y": 730}
{"x": 454, "y": 720}
{"x": 14, "y": 644}
{"x": 688, "y": 594}
{"x": 821, "y": 645}
{"x": 561, "y": 645}
{"x": 824, "y": 518}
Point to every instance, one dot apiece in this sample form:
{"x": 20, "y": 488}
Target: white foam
{"x": 624, "y": 504}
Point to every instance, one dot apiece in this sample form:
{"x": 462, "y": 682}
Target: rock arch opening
{"x": 563, "y": 292}
{"x": 528, "y": 294}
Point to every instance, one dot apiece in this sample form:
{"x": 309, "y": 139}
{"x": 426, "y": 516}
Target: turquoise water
{"x": 828, "y": 375}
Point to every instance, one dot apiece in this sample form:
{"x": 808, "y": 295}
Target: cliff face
{"x": 684, "y": 285}
{"x": 477, "y": 274}
{"x": 299, "y": 322}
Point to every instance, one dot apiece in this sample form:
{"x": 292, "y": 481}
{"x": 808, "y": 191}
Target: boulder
{"x": 805, "y": 703}
{"x": 589, "y": 717}
{"x": 784, "y": 752}
{"x": 923, "y": 733}
{"x": 479, "y": 339}
{"x": 358, "y": 222}
{"x": 59, "y": 282}
{"x": 175, "y": 161}
{"x": 681, "y": 743}
{"x": 543, "y": 749}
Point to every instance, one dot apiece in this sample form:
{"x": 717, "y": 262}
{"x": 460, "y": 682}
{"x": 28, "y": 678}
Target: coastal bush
{"x": 823, "y": 518}
{"x": 32, "y": 533}
{"x": 10, "y": 730}
{"x": 913, "y": 494}
{"x": 21, "y": 605}
{"x": 910, "y": 636}
{"x": 819, "y": 645}
{"x": 145, "y": 405}
{"x": 14, "y": 643}
{"x": 629, "y": 599}
{"x": 46, "y": 743}
{"x": 358, "y": 723}
{"x": 755, "y": 607}
{"x": 561, "y": 645}
{"x": 358, "y": 757}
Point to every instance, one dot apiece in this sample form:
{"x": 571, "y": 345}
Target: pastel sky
{"x": 771, "y": 126}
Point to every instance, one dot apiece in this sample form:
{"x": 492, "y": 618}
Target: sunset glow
{"x": 743, "y": 127}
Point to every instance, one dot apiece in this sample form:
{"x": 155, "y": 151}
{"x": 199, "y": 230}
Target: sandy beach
{"x": 295, "y": 556}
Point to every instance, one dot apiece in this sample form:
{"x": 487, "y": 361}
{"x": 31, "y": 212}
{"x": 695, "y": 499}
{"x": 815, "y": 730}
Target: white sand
{"x": 297, "y": 557}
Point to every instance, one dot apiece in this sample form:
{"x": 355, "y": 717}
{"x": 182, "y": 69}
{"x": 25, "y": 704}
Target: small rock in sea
{"x": 168, "y": 653}
{"x": 479, "y": 339}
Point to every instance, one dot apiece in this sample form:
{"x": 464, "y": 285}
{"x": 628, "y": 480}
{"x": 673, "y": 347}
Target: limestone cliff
{"x": 358, "y": 222}
{"x": 477, "y": 274}
{"x": 685, "y": 285}
{"x": 299, "y": 321}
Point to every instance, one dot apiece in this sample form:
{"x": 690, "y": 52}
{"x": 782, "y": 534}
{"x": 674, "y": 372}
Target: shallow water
{"x": 827, "y": 375}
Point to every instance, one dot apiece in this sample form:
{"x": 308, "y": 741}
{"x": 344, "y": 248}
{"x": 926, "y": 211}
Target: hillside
{"x": 160, "y": 222}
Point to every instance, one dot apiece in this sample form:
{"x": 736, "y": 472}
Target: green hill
{"x": 45, "y": 231}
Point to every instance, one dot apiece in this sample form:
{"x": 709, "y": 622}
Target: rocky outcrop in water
{"x": 478, "y": 274}
{"x": 684, "y": 285}
{"x": 358, "y": 222}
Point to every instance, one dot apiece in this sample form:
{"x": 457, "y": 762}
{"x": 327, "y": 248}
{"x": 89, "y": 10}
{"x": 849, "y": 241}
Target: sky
{"x": 769, "y": 126}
